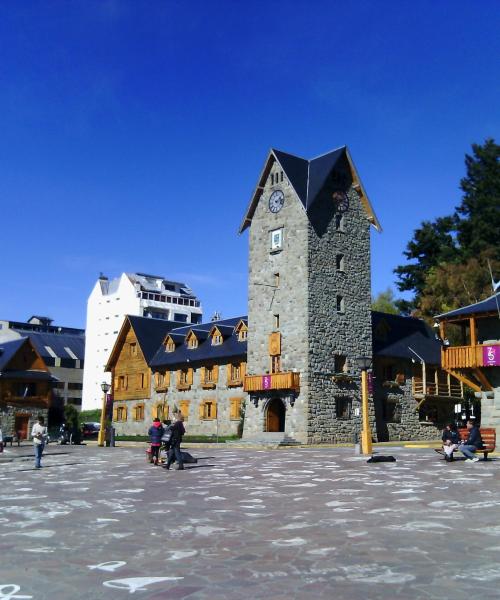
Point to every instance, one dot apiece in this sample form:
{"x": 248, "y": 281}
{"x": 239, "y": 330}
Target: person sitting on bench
{"x": 473, "y": 443}
{"x": 451, "y": 440}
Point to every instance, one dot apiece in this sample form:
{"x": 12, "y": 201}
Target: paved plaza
{"x": 245, "y": 523}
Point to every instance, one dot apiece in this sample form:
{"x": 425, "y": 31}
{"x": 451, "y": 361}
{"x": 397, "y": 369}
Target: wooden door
{"x": 21, "y": 426}
{"x": 275, "y": 416}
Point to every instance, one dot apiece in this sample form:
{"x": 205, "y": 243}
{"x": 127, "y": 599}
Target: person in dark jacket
{"x": 473, "y": 443}
{"x": 451, "y": 440}
{"x": 174, "y": 453}
{"x": 155, "y": 433}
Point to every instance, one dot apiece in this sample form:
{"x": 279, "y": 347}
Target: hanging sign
{"x": 491, "y": 356}
{"x": 266, "y": 382}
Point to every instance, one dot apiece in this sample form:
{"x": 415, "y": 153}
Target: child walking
{"x": 155, "y": 434}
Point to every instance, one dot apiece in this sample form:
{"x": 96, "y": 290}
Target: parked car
{"x": 90, "y": 430}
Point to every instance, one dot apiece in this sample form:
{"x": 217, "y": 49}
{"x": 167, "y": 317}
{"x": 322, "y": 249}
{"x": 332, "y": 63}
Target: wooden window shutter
{"x": 190, "y": 376}
{"x": 115, "y": 414}
{"x": 228, "y": 373}
{"x": 243, "y": 370}
{"x": 201, "y": 410}
{"x": 126, "y": 382}
{"x": 214, "y": 407}
{"x": 167, "y": 379}
{"x": 178, "y": 376}
{"x": 275, "y": 343}
{"x": 215, "y": 373}
{"x": 203, "y": 374}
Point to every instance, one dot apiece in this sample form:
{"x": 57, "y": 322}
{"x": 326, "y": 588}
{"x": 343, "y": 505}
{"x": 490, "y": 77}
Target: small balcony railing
{"x": 272, "y": 381}
{"x": 444, "y": 386}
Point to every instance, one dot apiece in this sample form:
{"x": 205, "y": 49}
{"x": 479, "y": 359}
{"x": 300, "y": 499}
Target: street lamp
{"x": 364, "y": 363}
{"x": 105, "y": 387}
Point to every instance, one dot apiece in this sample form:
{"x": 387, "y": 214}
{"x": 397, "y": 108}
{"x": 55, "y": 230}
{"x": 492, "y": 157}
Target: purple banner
{"x": 266, "y": 382}
{"x": 370, "y": 383}
{"x": 491, "y": 356}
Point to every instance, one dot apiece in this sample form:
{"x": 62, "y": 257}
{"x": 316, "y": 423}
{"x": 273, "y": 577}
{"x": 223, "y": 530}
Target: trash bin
{"x": 112, "y": 437}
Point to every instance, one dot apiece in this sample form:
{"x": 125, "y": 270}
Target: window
{"x": 276, "y": 321}
{"x": 272, "y": 178}
{"x": 180, "y": 317}
{"x": 392, "y": 411}
{"x": 59, "y": 385}
{"x": 276, "y": 280}
{"x": 339, "y": 262}
{"x": 162, "y": 380}
{"x": 141, "y": 381}
{"x": 242, "y": 331}
{"x": 138, "y": 412}
{"x": 340, "y": 304}
{"x": 340, "y": 363}
{"x": 170, "y": 345}
{"x": 160, "y": 411}
{"x": 122, "y": 382}
{"x": 75, "y": 401}
{"x": 277, "y": 239}
{"x": 236, "y": 374}
{"x": 184, "y": 408}
{"x": 75, "y": 386}
{"x": 281, "y": 175}
{"x": 235, "y": 409}
{"x": 275, "y": 364}
{"x": 184, "y": 379}
{"x": 339, "y": 222}
{"x": 343, "y": 408}
{"x": 121, "y": 413}
{"x": 208, "y": 410}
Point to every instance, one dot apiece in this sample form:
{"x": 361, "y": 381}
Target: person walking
{"x": 39, "y": 435}
{"x": 155, "y": 433}
{"x": 473, "y": 443}
{"x": 174, "y": 453}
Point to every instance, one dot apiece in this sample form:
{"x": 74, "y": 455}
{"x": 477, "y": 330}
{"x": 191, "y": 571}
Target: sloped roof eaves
{"x": 206, "y": 351}
{"x": 484, "y": 306}
{"x": 28, "y": 375}
{"x": 9, "y": 350}
{"x": 320, "y": 169}
{"x": 58, "y": 343}
{"x": 150, "y": 333}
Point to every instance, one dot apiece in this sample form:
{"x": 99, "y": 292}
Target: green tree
{"x": 447, "y": 245}
{"x": 478, "y": 215}
{"x": 450, "y": 285}
{"x": 385, "y": 302}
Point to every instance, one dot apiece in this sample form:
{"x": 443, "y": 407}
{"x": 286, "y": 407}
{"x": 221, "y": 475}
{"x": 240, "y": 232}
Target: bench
{"x": 10, "y": 439}
{"x": 488, "y": 435}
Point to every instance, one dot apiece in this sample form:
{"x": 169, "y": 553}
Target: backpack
{"x": 166, "y": 438}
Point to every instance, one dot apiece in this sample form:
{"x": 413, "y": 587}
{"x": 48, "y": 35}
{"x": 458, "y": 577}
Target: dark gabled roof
{"x": 150, "y": 333}
{"x": 9, "y": 349}
{"x": 393, "y": 336}
{"x": 230, "y": 348}
{"x": 308, "y": 178}
{"x": 57, "y": 342}
{"x": 489, "y": 305}
{"x": 28, "y": 375}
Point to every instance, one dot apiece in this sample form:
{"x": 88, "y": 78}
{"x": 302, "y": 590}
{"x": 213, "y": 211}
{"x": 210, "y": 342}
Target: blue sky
{"x": 132, "y": 133}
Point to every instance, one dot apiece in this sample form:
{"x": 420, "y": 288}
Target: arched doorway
{"x": 275, "y": 415}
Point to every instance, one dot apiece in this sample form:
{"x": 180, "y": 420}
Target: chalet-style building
{"x": 471, "y": 352}
{"x": 25, "y": 387}
{"x": 413, "y": 396}
{"x": 62, "y": 349}
{"x": 129, "y": 364}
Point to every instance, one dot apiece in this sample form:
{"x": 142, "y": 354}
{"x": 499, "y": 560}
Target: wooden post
{"x": 424, "y": 380}
{"x": 366, "y": 434}
{"x": 473, "y": 331}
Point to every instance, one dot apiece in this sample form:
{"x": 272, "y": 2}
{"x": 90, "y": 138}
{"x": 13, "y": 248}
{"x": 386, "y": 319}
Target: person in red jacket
{"x": 155, "y": 434}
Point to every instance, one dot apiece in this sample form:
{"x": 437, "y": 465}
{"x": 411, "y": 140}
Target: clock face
{"x": 276, "y": 201}
{"x": 341, "y": 200}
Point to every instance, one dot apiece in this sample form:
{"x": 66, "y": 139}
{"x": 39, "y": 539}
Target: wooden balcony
{"x": 273, "y": 381}
{"x": 471, "y": 357}
{"x": 20, "y": 401}
{"x": 462, "y": 357}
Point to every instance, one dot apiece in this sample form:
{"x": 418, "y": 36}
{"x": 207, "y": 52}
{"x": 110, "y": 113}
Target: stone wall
{"x": 289, "y": 300}
{"x": 8, "y": 418}
{"x": 347, "y": 333}
{"x": 490, "y": 401}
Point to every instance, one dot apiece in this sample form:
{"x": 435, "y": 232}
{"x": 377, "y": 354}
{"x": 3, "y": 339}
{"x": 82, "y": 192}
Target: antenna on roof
{"x": 216, "y": 316}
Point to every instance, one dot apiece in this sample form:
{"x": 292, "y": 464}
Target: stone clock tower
{"x": 309, "y": 298}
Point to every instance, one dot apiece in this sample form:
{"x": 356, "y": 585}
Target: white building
{"x": 130, "y": 294}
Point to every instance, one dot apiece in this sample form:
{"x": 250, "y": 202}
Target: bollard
{"x": 112, "y": 437}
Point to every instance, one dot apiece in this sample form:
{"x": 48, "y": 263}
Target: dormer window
{"x": 217, "y": 338}
{"x": 192, "y": 341}
{"x": 241, "y": 331}
{"x": 170, "y": 345}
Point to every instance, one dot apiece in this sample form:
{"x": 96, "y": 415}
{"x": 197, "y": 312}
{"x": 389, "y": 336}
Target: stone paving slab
{"x": 291, "y": 523}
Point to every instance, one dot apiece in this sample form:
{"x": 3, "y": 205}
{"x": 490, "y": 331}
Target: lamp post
{"x": 102, "y": 431}
{"x": 364, "y": 363}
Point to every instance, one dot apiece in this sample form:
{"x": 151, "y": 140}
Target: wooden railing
{"x": 273, "y": 381}
{"x": 462, "y": 357}
{"x": 444, "y": 386}
{"x": 40, "y": 401}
